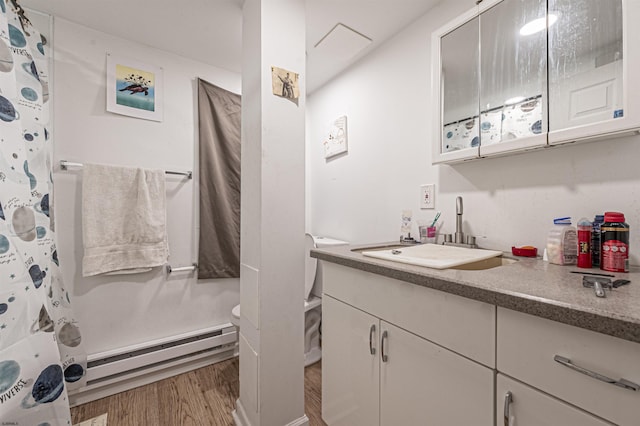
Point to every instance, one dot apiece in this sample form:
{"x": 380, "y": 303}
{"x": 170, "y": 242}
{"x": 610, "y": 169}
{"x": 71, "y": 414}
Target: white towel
{"x": 123, "y": 219}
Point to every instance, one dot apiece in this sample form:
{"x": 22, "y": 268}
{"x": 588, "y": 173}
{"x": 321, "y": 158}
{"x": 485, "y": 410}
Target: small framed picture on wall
{"x": 134, "y": 89}
{"x": 335, "y": 142}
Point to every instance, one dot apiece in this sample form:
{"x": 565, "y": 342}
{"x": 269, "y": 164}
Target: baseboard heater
{"x": 125, "y": 368}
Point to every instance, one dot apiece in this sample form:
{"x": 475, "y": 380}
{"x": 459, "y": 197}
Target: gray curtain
{"x": 219, "y": 130}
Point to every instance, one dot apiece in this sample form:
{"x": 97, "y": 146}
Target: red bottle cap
{"x": 613, "y": 217}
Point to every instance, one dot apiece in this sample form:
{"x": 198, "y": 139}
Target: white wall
{"x": 123, "y": 310}
{"x": 508, "y": 201}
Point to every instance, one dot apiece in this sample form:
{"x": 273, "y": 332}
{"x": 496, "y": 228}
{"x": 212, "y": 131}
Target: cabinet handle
{"x": 382, "y": 340}
{"x": 621, "y": 383}
{"x": 508, "y": 399}
{"x": 372, "y": 330}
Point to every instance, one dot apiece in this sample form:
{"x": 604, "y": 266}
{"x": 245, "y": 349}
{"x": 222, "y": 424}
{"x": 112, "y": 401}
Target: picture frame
{"x": 335, "y": 141}
{"x": 134, "y": 89}
{"x": 285, "y": 84}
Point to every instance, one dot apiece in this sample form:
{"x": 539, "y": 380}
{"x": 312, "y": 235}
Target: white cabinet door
{"x": 528, "y": 407}
{"x": 350, "y": 379}
{"x": 593, "y": 64}
{"x": 424, "y": 384}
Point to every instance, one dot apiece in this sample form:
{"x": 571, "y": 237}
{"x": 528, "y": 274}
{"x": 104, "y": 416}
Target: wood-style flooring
{"x": 203, "y": 397}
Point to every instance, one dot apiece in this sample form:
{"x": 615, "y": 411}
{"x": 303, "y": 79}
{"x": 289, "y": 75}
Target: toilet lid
{"x": 311, "y": 265}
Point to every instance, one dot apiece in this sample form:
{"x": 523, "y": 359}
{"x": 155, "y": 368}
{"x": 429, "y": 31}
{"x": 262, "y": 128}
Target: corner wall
{"x": 118, "y": 311}
{"x": 359, "y": 197}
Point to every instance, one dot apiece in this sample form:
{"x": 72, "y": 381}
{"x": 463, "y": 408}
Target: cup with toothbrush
{"x": 428, "y": 233}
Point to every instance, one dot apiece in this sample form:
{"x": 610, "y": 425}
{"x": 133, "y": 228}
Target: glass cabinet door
{"x": 458, "y": 124}
{"x": 586, "y": 62}
{"x": 513, "y": 76}
{"x": 594, "y": 61}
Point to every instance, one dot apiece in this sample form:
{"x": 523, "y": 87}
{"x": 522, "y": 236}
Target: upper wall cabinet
{"x": 514, "y": 75}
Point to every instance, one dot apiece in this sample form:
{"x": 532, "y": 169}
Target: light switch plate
{"x": 427, "y": 196}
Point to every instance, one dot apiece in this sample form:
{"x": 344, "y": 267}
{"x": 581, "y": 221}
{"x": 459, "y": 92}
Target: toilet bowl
{"x": 312, "y": 299}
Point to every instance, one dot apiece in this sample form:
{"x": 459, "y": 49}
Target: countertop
{"x": 529, "y": 285}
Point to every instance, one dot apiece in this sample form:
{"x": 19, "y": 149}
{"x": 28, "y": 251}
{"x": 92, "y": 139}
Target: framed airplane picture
{"x": 134, "y": 89}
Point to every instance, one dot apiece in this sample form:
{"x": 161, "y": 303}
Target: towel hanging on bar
{"x": 124, "y": 226}
{"x": 64, "y": 165}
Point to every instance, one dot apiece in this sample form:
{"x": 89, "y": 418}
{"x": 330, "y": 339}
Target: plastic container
{"x": 615, "y": 243}
{"x": 524, "y": 251}
{"x": 598, "y": 220}
{"x": 562, "y": 242}
{"x": 584, "y": 243}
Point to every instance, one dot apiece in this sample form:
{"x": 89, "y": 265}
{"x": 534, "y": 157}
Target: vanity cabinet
{"x": 387, "y": 356}
{"x": 597, "y": 373}
{"x": 516, "y": 75}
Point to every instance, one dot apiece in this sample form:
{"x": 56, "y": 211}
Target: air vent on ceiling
{"x": 341, "y": 43}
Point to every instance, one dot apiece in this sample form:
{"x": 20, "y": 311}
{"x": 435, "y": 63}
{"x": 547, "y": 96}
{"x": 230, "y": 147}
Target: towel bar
{"x": 64, "y": 165}
{"x": 193, "y": 267}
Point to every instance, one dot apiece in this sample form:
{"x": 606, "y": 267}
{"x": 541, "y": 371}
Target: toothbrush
{"x": 435, "y": 219}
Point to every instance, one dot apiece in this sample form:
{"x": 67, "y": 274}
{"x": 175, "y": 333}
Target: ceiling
{"x": 210, "y": 31}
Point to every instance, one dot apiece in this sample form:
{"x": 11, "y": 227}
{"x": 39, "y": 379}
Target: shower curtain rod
{"x": 64, "y": 165}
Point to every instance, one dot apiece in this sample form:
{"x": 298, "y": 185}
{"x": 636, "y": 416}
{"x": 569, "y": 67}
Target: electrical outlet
{"x": 427, "y": 196}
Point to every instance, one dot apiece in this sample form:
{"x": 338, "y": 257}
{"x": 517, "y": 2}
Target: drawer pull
{"x": 372, "y": 330}
{"x": 385, "y": 358}
{"x": 508, "y": 399}
{"x": 621, "y": 383}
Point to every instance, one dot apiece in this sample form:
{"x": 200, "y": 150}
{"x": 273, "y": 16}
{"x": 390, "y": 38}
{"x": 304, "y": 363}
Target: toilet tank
{"x": 313, "y": 270}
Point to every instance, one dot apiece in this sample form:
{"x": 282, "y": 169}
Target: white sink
{"x": 441, "y": 257}
{"x": 481, "y": 265}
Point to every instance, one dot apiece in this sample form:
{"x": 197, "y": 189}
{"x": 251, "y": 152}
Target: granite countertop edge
{"x": 584, "y": 312}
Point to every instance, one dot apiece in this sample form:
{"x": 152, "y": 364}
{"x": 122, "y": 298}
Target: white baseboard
{"x": 240, "y": 417}
{"x": 302, "y": 421}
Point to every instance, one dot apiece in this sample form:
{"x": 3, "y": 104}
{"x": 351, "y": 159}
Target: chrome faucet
{"x": 459, "y": 239}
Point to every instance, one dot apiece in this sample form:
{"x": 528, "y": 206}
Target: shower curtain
{"x": 219, "y": 114}
{"x": 40, "y": 343}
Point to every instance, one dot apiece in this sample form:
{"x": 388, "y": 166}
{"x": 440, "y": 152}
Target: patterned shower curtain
{"x": 40, "y": 342}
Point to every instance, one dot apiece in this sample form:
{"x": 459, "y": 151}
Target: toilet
{"x": 312, "y": 298}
